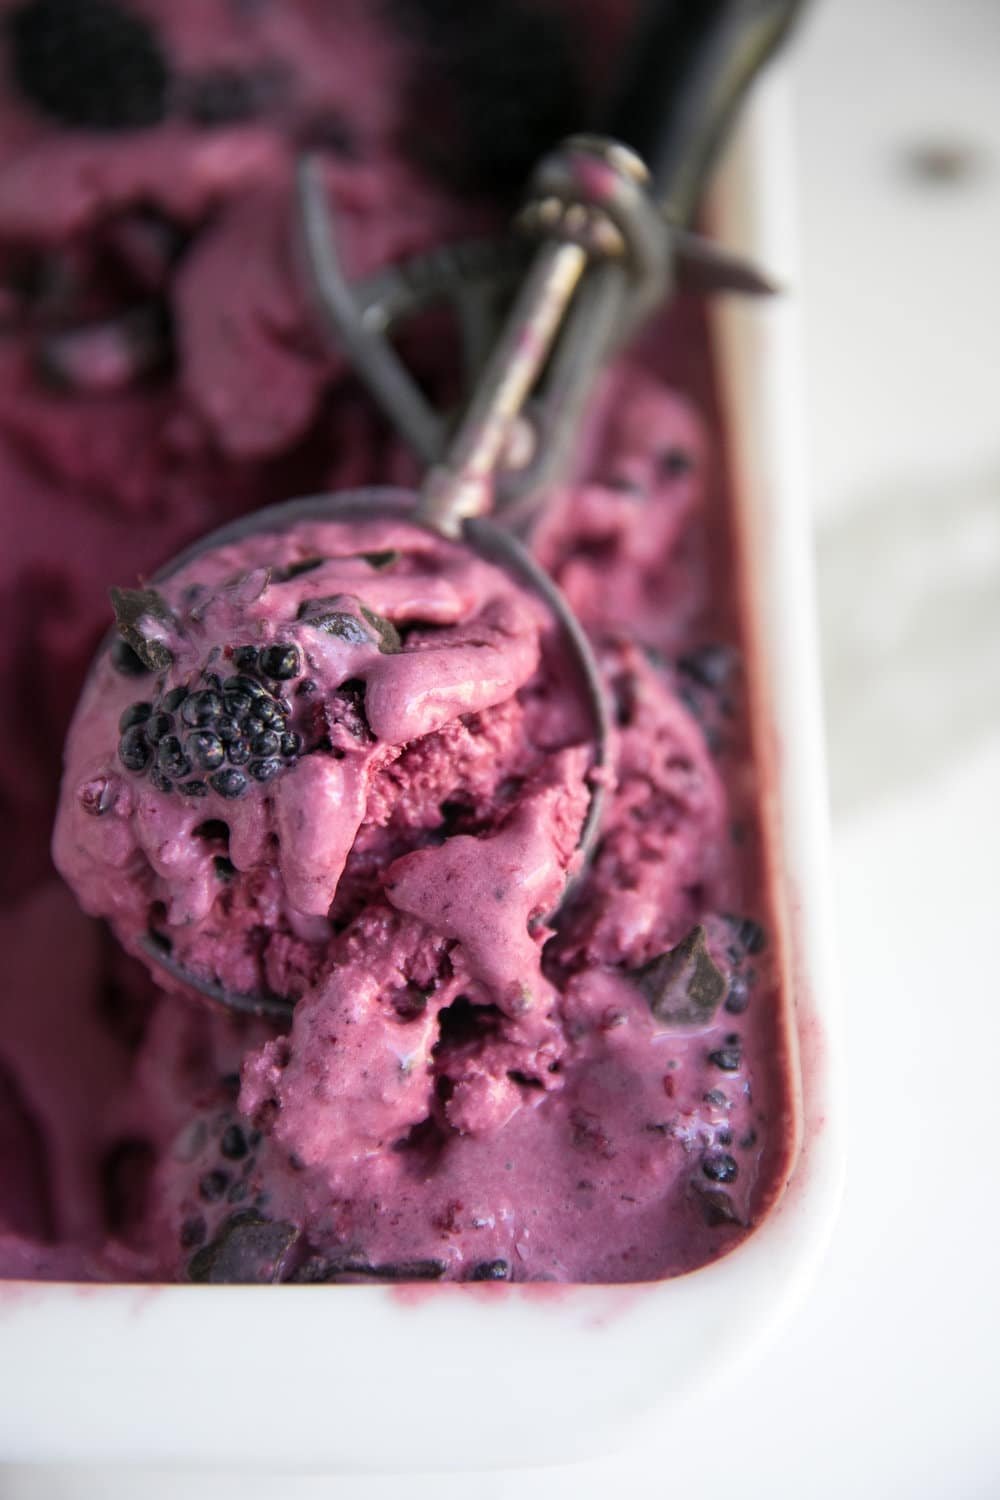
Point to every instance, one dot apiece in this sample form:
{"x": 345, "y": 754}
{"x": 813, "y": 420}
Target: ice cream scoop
{"x": 604, "y": 260}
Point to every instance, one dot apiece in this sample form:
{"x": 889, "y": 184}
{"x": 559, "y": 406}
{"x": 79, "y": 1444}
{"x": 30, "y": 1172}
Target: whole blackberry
{"x": 216, "y": 726}
{"x": 90, "y": 64}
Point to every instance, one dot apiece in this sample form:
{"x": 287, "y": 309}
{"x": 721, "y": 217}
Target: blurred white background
{"x": 887, "y": 1381}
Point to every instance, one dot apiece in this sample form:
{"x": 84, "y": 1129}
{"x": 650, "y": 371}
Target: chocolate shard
{"x": 382, "y": 560}
{"x": 684, "y": 987}
{"x": 339, "y": 622}
{"x": 347, "y": 618}
{"x": 717, "y": 1207}
{"x": 296, "y": 569}
{"x": 248, "y": 1249}
{"x": 388, "y": 636}
{"x": 356, "y": 1268}
{"x": 143, "y": 618}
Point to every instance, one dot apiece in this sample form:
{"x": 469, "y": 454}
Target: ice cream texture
{"x": 344, "y": 762}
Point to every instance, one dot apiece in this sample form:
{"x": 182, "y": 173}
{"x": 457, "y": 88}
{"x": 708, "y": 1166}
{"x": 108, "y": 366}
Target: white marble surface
{"x": 886, "y": 1383}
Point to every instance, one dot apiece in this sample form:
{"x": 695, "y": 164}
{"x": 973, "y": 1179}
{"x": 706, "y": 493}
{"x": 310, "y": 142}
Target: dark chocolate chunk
{"x": 126, "y": 661}
{"x": 346, "y": 627}
{"x": 388, "y": 635}
{"x": 356, "y": 1268}
{"x": 684, "y": 987}
{"x": 140, "y": 615}
{"x": 248, "y": 1249}
{"x": 717, "y": 1207}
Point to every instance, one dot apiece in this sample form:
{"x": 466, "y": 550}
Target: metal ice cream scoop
{"x": 609, "y": 224}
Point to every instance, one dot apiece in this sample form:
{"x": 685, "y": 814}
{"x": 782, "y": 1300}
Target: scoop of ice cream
{"x": 300, "y": 724}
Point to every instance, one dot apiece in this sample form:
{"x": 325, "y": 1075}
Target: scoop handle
{"x": 687, "y": 68}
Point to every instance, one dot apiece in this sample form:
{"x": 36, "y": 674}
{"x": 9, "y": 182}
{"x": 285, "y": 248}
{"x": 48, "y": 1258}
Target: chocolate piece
{"x": 684, "y": 987}
{"x": 354, "y": 1267}
{"x": 142, "y": 617}
{"x": 347, "y": 618}
{"x": 248, "y": 1249}
{"x": 717, "y": 1207}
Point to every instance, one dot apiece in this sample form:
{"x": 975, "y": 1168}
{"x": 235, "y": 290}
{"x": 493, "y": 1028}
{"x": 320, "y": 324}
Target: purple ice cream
{"x": 352, "y": 769}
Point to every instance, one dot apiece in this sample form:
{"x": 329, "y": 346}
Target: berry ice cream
{"x": 343, "y": 764}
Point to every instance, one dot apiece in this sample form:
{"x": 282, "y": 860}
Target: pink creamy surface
{"x": 463, "y": 1091}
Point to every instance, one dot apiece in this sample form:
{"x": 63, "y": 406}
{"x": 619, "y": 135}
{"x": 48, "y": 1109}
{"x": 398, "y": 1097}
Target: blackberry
{"x": 234, "y": 1143}
{"x": 264, "y": 770}
{"x": 205, "y": 749}
{"x": 265, "y": 712}
{"x": 673, "y": 463}
{"x": 213, "y": 1185}
{"x": 125, "y": 660}
{"x": 193, "y": 1232}
{"x": 728, "y": 1059}
{"x": 162, "y": 783}
{"x": 738, "y": 997}
{"x": 748, "y": 936}
{"x": 244, "y": 684}
{"x": 158, "y": 725}
{"x": 229, "y": 783}
{"x": 711, "y": 666}
{"x": 491, "y": 1270}
{"x": 171, "y": 759}
{"x": 201, "y": 708}
{"x": 266, "y": 743}
{"x": 133, "y": 749}
{"x": 227, "y": 729}
{"x": 280, "y": 662}
{"x": 236, "y": 721}
{"x": 136, "y": 713}
{"x": 719, "y": 1166}
{"x": 236, "y": 705}
{"x": 90, "y": 64}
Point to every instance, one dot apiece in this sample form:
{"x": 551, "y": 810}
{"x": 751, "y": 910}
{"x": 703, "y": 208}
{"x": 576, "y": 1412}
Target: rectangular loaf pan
{"x": 378, "y": 1378}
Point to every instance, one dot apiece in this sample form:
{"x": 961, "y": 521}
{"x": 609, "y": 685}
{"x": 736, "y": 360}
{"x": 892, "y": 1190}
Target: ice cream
{"x": 343, "y": 763}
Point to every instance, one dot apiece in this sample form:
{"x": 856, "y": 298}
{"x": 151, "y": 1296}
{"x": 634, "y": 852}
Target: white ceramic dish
{"x": 358, "y": 1378}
